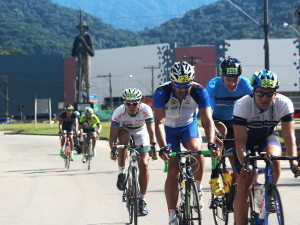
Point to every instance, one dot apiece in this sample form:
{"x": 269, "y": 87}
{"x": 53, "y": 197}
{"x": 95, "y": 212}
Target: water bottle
{"x": 227, "y": 181}
{"x": 182, "y": 187}
{"x": 263, "y": 207}
{"x": 257, "y": 197}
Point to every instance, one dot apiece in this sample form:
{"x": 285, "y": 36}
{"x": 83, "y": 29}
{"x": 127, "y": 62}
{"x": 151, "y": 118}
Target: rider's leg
{"x": 241, "y": 198}
{"x": 94, "y": 139}
{"x": 195, "y": 144}
{"x": 274, "y": 150}
{"x": 124, "y": 139}
{"x": 171, "y": 187}
{"x": 143, "y": 172}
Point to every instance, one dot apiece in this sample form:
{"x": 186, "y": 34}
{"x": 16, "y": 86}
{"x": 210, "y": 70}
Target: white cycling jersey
{"x": 121, "y": 118}
{"x": 261, "y": 124}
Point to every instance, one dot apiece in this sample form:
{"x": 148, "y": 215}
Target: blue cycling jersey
{"x": 180, "y": 114}
{"x": 222, "y": 101}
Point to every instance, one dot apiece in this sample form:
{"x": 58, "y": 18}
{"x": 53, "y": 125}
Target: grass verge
{"x": 44, "y": 128}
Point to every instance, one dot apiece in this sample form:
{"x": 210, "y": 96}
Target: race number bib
{"x": 183, "y": 79}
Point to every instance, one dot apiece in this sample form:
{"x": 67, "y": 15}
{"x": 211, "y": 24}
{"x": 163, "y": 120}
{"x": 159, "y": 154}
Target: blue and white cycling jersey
{"x": 179, "y": 115}
{"x": 222, "y": 101}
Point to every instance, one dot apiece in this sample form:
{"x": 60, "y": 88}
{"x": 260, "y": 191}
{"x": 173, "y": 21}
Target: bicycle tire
{"x": 67, "y": 156}
{"x": 129, "y": 195}
{"x": 89, "y": 150}
{"x": 219, "y": 207}
{"x": 275, "y": 209}
{"x": 135, "y": 195}
{"x": 192, "y": 213}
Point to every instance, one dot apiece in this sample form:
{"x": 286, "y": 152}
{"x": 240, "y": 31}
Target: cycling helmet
{"x": 77, "y": 114}
{"x": 132, "y": 94}
{"x": 69, "y": 107}
{"x": 182, "y": 72}
{"x": 88, "y": 110}
{"x": 265, "y": 79}
{"x": 231, "y": 67}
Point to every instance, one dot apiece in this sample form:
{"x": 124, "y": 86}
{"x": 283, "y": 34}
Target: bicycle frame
{"x": 269, "y": 185}
{"x": 184, "y": 209}
{"x": 89, "y": 152}
{"x": 131, "y": 192}
{"x": 67, "y": 149}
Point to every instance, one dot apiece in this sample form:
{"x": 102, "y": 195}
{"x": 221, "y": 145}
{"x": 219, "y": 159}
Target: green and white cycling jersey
{"x": 92, "y": 122}
{"x": 121, "y": 118}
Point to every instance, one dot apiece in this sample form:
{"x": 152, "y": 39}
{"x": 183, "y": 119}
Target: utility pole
{"x": 266, "y": 32}
{"x": 192, "y": 59}
{"x": 5, "y": 96}
{"x": 110, "y": 90}
{"x": 152, "y": 70}
{"x": 265, "y": 27}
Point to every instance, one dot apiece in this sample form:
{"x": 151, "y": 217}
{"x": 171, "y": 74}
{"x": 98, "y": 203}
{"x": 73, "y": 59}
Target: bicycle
{"x": 89, "y": 151}
{"x": 131, "y": 192}
{"x": 272, "y": 212}
{"x": 188, "y": 209}
{"x": 67, "y": 149}
{"x": 222, "y": 206}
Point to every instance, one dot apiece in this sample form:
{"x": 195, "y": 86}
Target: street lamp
{"x": 293, "y": 28}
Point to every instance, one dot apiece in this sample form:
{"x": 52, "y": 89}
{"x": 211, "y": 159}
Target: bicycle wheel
{"x": 129, "y": 195}
{"x": 135, "y": 192}
{"x": 192, "y": 213}
{"x": 89, "y": 156}
{"x": 274, "y": 215}
{"x": 219, "y": 207}
{"x": 67, "y": 156}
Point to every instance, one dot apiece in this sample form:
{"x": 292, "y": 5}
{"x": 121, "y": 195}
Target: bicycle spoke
{"x": 192, "y": 213}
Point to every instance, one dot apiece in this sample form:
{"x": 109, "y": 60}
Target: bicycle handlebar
{"x": 188, "y": 154}
{"x": 264, "y": 156}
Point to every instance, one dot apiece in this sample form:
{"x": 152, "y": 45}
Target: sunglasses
{"x": 182, "y": 86}
{"x": 132, "y": 103}
{"x": 262, "y": 94}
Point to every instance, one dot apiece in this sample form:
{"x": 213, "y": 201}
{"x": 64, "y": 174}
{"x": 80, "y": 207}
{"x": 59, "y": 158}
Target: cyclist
{"x": 133, "y": 118}
{"x": 224, "y": 91}
{"x": 175, "y": 110}
{"x": 67, "y": 122}
{"x": 255, "y": 119}
{"x": 89, "y": 122}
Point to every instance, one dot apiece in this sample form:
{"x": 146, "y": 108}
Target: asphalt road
{"x": 36, "y": 188}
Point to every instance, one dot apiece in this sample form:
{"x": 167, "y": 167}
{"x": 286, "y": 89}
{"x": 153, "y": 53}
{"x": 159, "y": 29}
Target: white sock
{"x": 142, "y": 197}
{"x": 122, "y": 169}
{"x": 172, "y": 215}
{"x": 199, "y": 185}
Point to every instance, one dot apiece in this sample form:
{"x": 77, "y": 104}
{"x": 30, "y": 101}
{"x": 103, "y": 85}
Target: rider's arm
{"x": 160, "y": 118}
{"x": 60, "y": 124}
{"x": 114, "y": 131}
{"x": 240, "y": 136}
{"x": 99, "y": 128}
{"x": 150, "y": 129}
{"x": 288, "y": 135}
{"x": 208, "y": 123}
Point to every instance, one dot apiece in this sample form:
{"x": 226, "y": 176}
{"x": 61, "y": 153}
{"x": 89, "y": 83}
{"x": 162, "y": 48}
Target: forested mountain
{"x": 42, "y": 27}
{"x": 134, "y": 15}
{"x": 221, "y": 20}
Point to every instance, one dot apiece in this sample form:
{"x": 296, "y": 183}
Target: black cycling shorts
{"x": 272, "y": 139}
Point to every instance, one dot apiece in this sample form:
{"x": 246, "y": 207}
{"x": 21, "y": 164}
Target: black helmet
{"x": 231, "y": 67}
{"x": 69, "y": 107}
